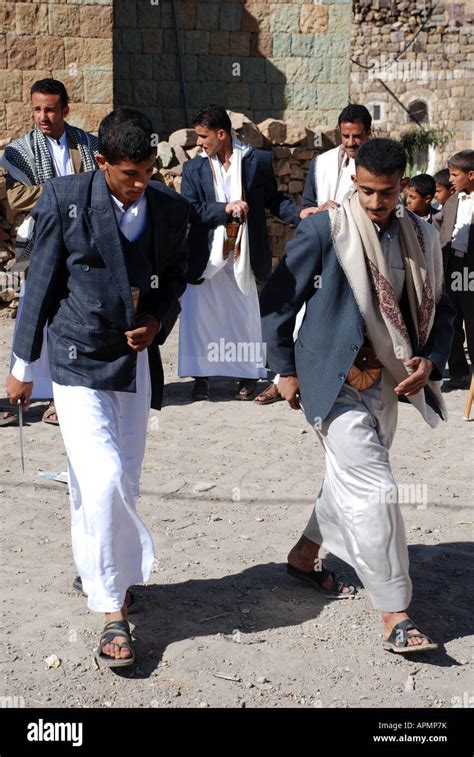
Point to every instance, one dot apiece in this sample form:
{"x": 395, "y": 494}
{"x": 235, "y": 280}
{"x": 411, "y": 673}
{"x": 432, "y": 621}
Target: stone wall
{"x": 436, "y": 69}
{"x": 70, "y": 40}
{"x": 266, "y": 58}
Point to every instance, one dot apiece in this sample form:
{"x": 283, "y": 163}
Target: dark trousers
{"x": 460, "y": 288}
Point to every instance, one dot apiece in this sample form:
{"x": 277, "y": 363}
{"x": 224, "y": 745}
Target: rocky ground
{"x": 226, "y": 489}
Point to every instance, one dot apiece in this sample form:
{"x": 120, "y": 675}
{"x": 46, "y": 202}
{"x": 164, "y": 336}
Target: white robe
{"x": 357, "y": 515}
{"x": 104, "y": 433}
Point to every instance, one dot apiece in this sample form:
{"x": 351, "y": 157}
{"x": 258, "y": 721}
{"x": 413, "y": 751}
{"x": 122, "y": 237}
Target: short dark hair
{"x": 463, "y": 160}
{"x": 213, "y": 117}
{"x": 124, "y": 134}
{"x": 353, "y": 113}
{"x": 51, "y": 87}
{"x": 382, "y": 157}
{"x": 442, "y": 177}
{"x": 424, "y": 184}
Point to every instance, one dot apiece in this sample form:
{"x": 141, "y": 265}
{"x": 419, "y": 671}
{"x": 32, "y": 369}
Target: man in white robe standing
{"x": 107, "y": 271}
{"x": 378, "y": 328}
{"x": 229, "y": 187}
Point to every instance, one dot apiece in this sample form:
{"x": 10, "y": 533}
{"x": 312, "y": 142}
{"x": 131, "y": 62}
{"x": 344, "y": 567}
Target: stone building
{"x": 415, "y": 59}
{"x": 265, "y": 58}
{"x": 70, "y": 41}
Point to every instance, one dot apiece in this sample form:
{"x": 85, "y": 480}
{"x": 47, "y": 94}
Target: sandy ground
{"x": 223, "y": 624}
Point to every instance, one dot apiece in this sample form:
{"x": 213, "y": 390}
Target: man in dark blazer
{"x": 230, "y": 186}
{"x": 377, "y": 327}
{"x": 456, "y": 225}
{"x": 107, "y": 271}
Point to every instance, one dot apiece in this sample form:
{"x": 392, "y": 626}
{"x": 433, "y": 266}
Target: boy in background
{"x": 420, "y": 193}
{"x": 444, "y": 188}
{"x": 456, "y": 229}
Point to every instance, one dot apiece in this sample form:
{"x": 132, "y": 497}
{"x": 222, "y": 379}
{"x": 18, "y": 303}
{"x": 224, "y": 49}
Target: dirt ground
{"x": 227, "y": 488}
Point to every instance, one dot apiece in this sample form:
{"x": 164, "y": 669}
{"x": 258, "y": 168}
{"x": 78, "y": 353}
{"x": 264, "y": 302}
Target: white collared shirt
{"x": 59, "y": 151}
{"x": 345, "y": 185}
{"x": 462, "y": 227}
{"x": 132, "y": 221}
{"x": 226, "y": 176}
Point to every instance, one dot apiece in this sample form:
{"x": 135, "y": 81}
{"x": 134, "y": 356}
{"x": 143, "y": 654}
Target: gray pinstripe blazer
{"x": 332, "y": 331}
{"x": 78, "y": 284}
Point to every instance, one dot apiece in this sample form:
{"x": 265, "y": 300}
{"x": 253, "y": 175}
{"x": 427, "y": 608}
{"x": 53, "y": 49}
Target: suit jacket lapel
{"x": 104, "y": 230}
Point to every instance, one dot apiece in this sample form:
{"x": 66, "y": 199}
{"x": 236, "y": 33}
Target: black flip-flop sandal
{"x": 398, "y": 640}
{"x": 200, "y": 390}
{"x": 317, "y": 577}
{"x": 246, "y": 390}
{"x": 134, "y": 604}
{"x": 111, "y": 630}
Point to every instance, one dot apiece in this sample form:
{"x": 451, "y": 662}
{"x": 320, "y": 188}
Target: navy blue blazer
{"x": 310, "y": 192}
{"x": 261, "y": 192}
{"x": 332, "y": 331}
{"x": 78, "y": 284}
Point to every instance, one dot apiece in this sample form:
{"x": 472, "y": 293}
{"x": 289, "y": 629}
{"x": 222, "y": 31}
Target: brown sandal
{"x": 50, "y": 411}
{"x": 8, "y": 419}
{"x": 269, "y": 396}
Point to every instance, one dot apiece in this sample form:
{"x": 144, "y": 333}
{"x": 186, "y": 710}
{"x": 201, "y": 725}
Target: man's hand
{"x": 237, "y": 205}
{"x": 421, "y": 369}
{"x": 17, "y": 389}
{"x": 142, "y": 337}
{"x": 288, "y": 387}
{"x": 308, "y": 212}
{"x": 328, "y": 204}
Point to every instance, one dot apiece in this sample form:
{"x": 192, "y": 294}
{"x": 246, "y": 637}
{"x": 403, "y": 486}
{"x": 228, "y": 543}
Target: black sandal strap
{"x": 399, "y": 633}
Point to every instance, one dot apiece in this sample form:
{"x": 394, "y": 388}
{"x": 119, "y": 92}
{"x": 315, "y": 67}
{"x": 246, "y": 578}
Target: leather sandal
{"x": 50, "y": 411}
{"x": 317, "y": 577}
{"x": 246, "y": 390}
{"x": 269, "y": 396}
{"x": 398, "y": 639}
{"x": 111, "y": 630}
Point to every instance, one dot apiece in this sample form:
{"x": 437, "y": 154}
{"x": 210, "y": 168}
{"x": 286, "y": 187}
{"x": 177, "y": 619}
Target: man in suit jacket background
{"x": 377, "y": 327}
{"x": 52, "y": 148}
{"x": 229, "y": 187}
{"x": 329, "y": 176}
{"x": 456, "y": 225}
{"x": 328, "y": 182}
{"x": 107, "y": 271}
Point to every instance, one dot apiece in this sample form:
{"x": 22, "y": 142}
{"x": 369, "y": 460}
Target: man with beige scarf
{"x": 377, "y": 329}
